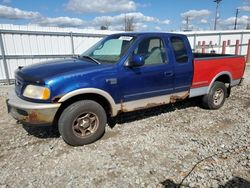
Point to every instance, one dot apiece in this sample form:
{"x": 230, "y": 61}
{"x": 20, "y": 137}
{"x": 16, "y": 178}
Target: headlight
{"x": 36, "y": 92}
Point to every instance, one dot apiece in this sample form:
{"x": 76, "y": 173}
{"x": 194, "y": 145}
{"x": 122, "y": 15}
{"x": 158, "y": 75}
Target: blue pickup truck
{"x": 121, "y": 73}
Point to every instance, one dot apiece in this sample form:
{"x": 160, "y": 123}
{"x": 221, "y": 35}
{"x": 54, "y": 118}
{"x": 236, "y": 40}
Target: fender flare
{"x": 107, "y": 96}
{"x": 217, "y": 76}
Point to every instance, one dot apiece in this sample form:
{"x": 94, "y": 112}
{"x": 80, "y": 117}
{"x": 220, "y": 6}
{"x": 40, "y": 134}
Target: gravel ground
{"x": 169, "y": 146}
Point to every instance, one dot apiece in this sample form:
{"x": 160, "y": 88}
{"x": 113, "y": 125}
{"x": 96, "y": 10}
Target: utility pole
{"x": 216, "y": 13}
{"x": 236, "y": 19}
{"x": 187, "y": 23}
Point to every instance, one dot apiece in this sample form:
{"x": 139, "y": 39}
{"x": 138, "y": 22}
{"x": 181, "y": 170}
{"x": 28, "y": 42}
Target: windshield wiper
{"x": 91, "y": 58}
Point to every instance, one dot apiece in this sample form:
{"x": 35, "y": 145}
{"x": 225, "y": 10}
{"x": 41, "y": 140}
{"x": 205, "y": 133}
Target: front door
{"x": 147, "y": 83}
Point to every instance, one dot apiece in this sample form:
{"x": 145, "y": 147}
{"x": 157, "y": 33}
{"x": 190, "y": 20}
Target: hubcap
{"x": 218, "y": 96}
{"x": 85, "y": 125}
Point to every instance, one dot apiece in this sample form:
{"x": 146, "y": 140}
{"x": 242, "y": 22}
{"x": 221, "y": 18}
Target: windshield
{"x": 110, "y": 49}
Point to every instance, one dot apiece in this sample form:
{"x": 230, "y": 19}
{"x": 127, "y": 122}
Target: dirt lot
{"x": 167, "y": 146}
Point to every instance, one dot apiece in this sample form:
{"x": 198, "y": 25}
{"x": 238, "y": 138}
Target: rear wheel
{"x": 216, "y": 96}
{"x": 82, "y": 123}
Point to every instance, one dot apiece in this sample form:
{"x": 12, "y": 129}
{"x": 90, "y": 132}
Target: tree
{"x": 248, "y": 24}
{"x": 129, "y": 23}
{"x": 105, "y": 25}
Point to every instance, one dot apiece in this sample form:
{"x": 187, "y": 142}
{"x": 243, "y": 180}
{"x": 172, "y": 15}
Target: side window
{"x": 152, "y": 50}
{"x": 180, "y": 50}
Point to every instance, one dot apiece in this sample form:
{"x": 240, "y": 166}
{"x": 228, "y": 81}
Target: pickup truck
{"x": 121, "y": 73}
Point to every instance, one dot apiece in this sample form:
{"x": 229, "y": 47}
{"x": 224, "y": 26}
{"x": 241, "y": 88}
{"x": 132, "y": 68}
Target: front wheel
{"x": 83, "y": 122}
{"x": 216, "y": 96}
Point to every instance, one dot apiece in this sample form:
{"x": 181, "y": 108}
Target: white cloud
{"x": 141, "y": 26}
{"x": 158, "y": 28}
{"x": 204, "y": 21}
{"x": 244, "y": 8}
{"x": 101, "y": 6}
{"x": 6, "y": 1}
{"x": 117, "y": 22}
{"x": 166, "y": 22}
{"x": 194, "y": 14}
{"x": 229, "y": 22}
{"x": 119, "y": 19}
{"x": 15, "y": 13}
{"x": 61, "y": 22}
{"x": 184, "y": 22}
{"x": 112, "y": 22}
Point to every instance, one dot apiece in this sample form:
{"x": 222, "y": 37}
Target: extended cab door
{"x": 182, "y": 58}
{"x": 151, "y": 80}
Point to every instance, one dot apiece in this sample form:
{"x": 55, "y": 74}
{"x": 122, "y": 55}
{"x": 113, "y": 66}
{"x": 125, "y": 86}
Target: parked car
{"x": 121, "y": 73}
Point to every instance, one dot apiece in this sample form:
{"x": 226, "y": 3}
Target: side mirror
{"x": 136, "y": 61}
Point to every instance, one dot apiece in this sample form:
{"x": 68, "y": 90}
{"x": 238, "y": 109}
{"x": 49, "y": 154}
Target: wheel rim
{"x": 85, "y": 125}
{"x": 218, "y": 96}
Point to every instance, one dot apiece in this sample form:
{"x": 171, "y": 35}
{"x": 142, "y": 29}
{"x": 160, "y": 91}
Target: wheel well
{"x": 224, "y": 78}
{"x": 89, "y": 96}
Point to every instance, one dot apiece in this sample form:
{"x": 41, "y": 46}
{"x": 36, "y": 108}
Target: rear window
{"x": 180, "y": 50}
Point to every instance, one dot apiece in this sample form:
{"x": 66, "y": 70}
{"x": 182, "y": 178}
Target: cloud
{"x": 229, "y": 22}
{"x": 60, "y": 22}
{"x": 158, "y": 28}
{"x": 116, "y": 20}
{"x": 204, "y": 21}
{"x": 7, "y": 12}
{"x": 6, "y": 1}
{"x": 166, "y": 22}
{"x": 244, "y": 8}
{"x": 141, "y": 26}
{"x": 15, "y": 13}
{"x": 101, "y": 6}
{"x": 194, "y": 14}
{"x": 112, "y": 22}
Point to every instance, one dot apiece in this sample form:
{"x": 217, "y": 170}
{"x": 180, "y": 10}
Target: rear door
{"x": 183, "y": 65}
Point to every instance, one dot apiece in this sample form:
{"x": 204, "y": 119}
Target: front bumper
{"x": 29, "y": 112}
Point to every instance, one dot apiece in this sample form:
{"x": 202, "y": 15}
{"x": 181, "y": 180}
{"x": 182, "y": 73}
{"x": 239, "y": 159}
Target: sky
{"x": 148, "y": 15}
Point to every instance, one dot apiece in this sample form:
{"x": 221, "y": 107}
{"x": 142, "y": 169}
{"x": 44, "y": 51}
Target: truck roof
{"x": 149, "y": 34}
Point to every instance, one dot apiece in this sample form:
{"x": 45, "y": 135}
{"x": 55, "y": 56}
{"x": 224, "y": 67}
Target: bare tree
{"x": 105, "y": 25}
{"x": 248, "y": 24}
{"x": 129, "y": 23}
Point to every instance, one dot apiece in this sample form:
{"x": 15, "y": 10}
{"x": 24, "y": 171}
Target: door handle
{"x": 168, "y": 74}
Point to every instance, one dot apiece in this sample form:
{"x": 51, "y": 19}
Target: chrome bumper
{"x": 29, "y": 112}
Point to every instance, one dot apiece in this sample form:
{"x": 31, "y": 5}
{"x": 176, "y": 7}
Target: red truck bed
{"x": 208, "y": 67}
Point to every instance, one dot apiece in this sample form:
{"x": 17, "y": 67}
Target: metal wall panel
{"x": 26, "y": 45}
{"x": 2, "y": 74}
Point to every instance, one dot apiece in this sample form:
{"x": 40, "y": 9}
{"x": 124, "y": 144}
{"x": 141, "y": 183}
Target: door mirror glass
{"x": 136, "y": 61}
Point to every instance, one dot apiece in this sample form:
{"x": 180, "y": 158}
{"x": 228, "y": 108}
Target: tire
{"x": 216, "y": 96}
{"x": 83, "y": 122}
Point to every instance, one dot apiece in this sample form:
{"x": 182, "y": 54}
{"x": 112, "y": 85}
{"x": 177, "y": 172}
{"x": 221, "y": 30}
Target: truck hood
{"x": 44, "y": 71}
